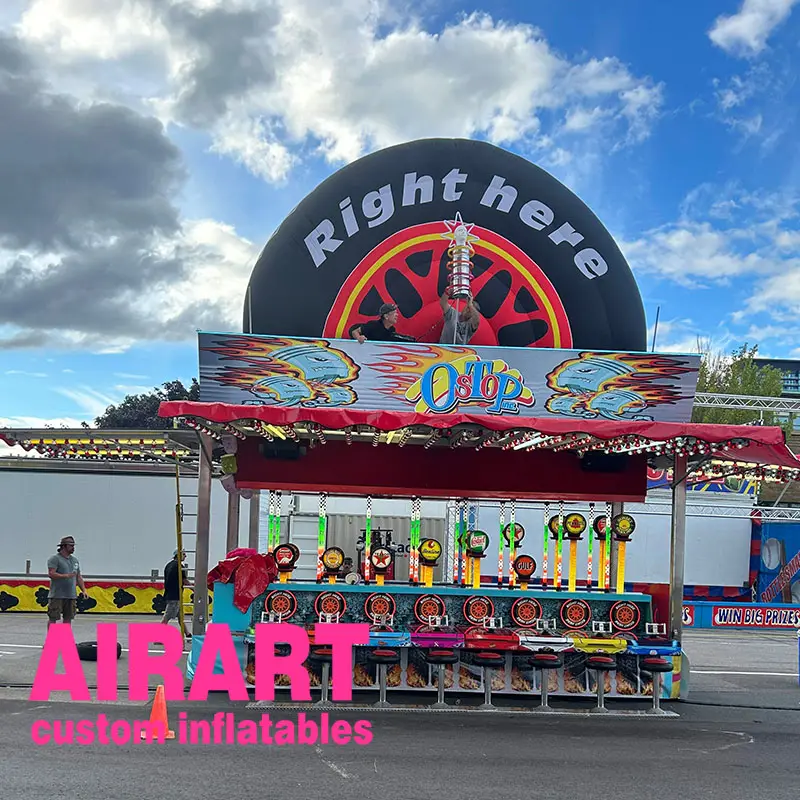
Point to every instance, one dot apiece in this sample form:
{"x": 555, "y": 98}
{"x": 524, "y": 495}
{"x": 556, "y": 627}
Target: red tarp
{"x": 767, "y": 444}
{"x": 251, "y": 574}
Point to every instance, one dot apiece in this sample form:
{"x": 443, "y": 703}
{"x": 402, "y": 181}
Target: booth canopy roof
{"x": 745, "y": 444}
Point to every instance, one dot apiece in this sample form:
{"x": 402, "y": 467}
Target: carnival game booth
{"x": 419, "y": 421}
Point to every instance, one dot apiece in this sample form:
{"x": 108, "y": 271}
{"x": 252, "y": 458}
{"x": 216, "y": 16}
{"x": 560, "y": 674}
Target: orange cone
{"x": 158, "y": 714}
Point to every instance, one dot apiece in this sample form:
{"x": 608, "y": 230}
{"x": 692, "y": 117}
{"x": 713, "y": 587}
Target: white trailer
{"x": 122, "y": 516}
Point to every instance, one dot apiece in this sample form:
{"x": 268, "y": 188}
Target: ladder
{"x": 180, "y": 516}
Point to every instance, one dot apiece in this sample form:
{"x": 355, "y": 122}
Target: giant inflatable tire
{"x": 546, "y": 271}
{"x": 87, "y": 651}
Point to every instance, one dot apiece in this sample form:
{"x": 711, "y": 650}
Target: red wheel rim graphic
{"x": 280, "y": 602}
{"x": 518, "y": 304}
{"x": 576, "y": 614}
{"x": 429, "y": 605}
{"x": 625, "y": 615}
{"x": 476, "y": 609}
{"x": 379, "y": 605}
{"x": 330, "y": 603}
{"x": 525, "y": 612}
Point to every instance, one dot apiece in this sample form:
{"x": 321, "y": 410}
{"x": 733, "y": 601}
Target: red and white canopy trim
{"x": 742, "y": 450}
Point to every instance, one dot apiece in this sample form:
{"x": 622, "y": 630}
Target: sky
{"x": 149, "y": 148}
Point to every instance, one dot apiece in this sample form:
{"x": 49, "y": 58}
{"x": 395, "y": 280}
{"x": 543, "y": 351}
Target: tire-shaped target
{"x": 390, "y": 245}
{"x": 519, "y": 534}
{"x": 330, "y": 603}
{"x": 379, "y": 604}
{"x": 429, "y": 605}
{"x": 574, "y": 525}
{"x": 575, "y": 613}
{"x": 599, "y": 525}
{"x": 281, "y": 602}
{"x": 477, "y": 609}
{"x": 625, "y": 615}
{"x": 623, "y": 525}
{"x": 525, "y": 611}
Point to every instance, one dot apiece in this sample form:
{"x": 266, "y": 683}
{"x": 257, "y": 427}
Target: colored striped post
{"x": 367, "y": 540}
{"x": 501, "y": 546}
{"x": 322, "y": 535}
{"x": 590, "y": 560}
{"x": 546, "y": 537}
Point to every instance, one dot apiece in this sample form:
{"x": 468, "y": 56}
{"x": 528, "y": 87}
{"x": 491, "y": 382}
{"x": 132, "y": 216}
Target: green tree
{"x": 738, "y": 374}
{"x": 140, "y": 411}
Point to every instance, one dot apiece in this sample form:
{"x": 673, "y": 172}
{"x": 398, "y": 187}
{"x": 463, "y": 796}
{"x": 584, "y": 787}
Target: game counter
{"x": 513, "y": 622}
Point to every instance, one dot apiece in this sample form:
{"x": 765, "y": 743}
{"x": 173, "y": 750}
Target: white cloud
{"x": 91, "y": 402}
{"x": 687, "y": 336}
{"x": 26, "y": 373}
{"x": 126, "y": 389}
{"x": 724, "y": 233}
{"x": 207, "y": 293}
{"x": 39, "y": 422}
{"x": 691, "y": 253}
{"x": 272, "y": 78}
{"x": 746, "y": 32}
{"x": 779, "y": 294}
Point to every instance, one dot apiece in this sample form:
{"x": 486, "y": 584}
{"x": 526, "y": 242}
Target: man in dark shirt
{"x": 172, "y": 593}
{"x": 381, "y": 329}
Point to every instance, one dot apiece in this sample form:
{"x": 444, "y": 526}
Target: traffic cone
{"x": 158, "y": 714}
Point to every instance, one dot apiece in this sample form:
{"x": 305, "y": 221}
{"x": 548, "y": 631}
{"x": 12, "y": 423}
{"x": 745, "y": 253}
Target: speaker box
{"x": 604, "y": 462}
{"x": 282, "y": 450}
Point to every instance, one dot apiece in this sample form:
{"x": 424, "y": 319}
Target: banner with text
{"x": 240, "y": 369}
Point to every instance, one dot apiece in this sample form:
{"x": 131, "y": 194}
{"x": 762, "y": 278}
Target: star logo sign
{"x": 381, "y": 558}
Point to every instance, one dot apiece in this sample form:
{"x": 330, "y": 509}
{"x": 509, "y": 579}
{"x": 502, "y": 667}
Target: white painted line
{"x": 726, "y": 672}
{"x": 337, "y": 769}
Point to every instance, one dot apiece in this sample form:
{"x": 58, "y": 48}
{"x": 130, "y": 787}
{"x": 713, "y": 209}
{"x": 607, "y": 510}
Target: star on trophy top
{"x": 459, "y": 232}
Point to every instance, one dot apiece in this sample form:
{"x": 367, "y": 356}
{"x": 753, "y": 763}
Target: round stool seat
{"x": 437, "y": 656}
{"x": 656, "y": 664}
{"x": 547, "y": 660}
{"x": 602, "y": 663}
{"x": 384, "y": 656}
{"x": 323, "y": 654}
{"x": 488, "y": 659}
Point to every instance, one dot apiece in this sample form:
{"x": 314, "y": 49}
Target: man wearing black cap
{"x": 381, "y": 329}
{"x": 65, "y": 572}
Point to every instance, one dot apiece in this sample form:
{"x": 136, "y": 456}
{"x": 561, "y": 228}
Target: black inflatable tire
{"x": 291, "y": 296}
{"x": 87, "y": 651}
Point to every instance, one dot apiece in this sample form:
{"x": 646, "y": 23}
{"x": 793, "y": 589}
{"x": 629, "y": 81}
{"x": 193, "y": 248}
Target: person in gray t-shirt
{"x": 459, "y": 326}
{"x": 65, "y": 572}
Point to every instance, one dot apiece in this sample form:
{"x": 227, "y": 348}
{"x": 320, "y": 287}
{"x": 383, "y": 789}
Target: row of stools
{"x": 600, "y": 663}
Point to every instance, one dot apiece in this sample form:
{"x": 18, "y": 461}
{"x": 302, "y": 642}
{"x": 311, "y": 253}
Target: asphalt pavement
{"x": 727, "y": 742}
{"x": 708, "y": 753}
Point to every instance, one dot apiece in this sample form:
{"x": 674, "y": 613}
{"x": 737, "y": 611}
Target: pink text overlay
{"x": 224, "y": 728}
{"x": 217, "y": 655}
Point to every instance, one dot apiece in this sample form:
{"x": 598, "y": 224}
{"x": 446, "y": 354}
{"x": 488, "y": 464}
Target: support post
{"x": 255, "y": 514}
{"x": 677, "y": 546}
{"x": 234, "y": 512}
{"x": 200, "y": 614}
{"x": 616, "y": 508}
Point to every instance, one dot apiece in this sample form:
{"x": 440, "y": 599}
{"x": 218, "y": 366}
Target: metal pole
{"x": 255, "y": 513}
{"x": 199, "y": 617}
{"x": 234, "y": 509}
{"x": 616, "y": 508}
{"x": 677, "y": 546}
